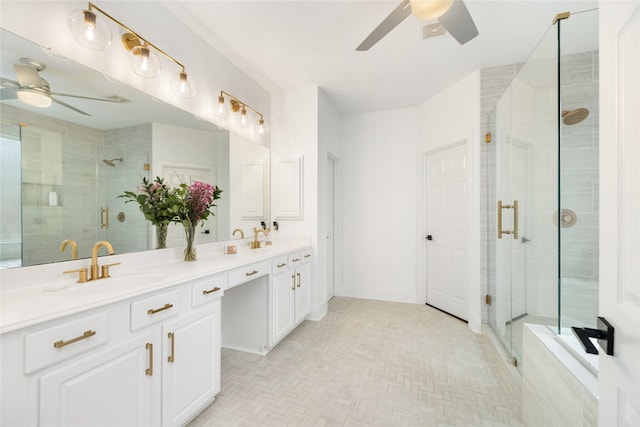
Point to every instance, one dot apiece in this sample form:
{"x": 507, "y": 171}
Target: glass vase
{"x": 161, "y": 235}
{"x": 190, "y": 248}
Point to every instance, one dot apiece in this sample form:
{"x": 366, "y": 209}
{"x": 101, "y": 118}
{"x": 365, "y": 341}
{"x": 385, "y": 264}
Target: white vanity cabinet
{"x": 148, "y": 361}
{"x": 291, "y": 292}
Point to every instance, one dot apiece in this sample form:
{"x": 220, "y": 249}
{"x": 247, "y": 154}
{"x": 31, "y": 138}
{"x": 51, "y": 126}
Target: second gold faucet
{"x": 94, "y": 261}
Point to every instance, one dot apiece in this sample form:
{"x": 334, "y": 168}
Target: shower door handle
{"x": 104, "y": 217}
{"x": 514, "y": 232}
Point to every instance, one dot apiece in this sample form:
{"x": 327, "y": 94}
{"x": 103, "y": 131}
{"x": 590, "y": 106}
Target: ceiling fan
{"x": 453, "y": 15}
{"x": 33, "y": 90}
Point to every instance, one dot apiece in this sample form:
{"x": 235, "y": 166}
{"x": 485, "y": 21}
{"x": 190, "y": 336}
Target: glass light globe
{"x": 181, "y": 86}
{"x": 144, "y": 62}
{"x": 88, "y": 30}
{"x": 34, "y": 97}
{"x": 429, "y": 9}
{"x": 262, "y": 128}
{"x": 222, "y": 109}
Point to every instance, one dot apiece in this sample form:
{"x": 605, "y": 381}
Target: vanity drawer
{"x": 153, "y": 309}
{"x": 249, "y": 272}
{"x": 306, "y": 256}
{"x": 208, "y": 289}
{"x": 57, "y": 343}
{"x": 280, "y": 264}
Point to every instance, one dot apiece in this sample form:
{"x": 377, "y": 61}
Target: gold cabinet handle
{"x": 171, "y": 357}
{"x": 83, "y": 274}
{"x": 251, "y": 273}
{"x": 210, "y": 291}
{"x": 281, "y": 265}
{"x": 295, "y": 260}
{"x": 307, "y": 255}
{"x": 85, "y": 335}
{"x": 158, "y": 310}
{"x": 514, "y": 232}
{"x": 293, "y": 284}
{"x": 298, "y": 274}
{"x": 149, "y": 370}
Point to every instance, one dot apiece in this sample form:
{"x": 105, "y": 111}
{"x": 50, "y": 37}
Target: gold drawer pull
{"x": 85, "y": 335}
{"x": 252, "y": 273}
{"x": 281, "y": 265}
{"x": 296, "y": 260}
{"x": 149, "y": 370}
{"x": 210, "y": 291}
{"x": 157, "y": 310}
{"x": 171, "y": 357}
{"x": 307, "y": 255}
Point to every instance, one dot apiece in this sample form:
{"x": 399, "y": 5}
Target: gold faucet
{"x": 237, "y": 230}
{"x": 94, "y": 260}
{"x": 74, "y": 247}
{"x": 256, "y": 243}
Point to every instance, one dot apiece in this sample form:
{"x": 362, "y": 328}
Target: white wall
{"x": 450, "y": 116}
{"x": 379, "y": 205}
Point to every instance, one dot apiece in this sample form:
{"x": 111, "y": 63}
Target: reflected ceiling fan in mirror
{"x": 453, "y": 15}
{"x": 32, "y": 89}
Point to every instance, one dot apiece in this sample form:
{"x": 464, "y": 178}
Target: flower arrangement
{"x": 158, "y": 201}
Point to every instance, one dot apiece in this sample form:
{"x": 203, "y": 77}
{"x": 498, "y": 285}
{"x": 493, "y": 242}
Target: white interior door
{"x": 330, "y": 228}
{"x": 177, "y": 174}
{"x": 619, "y": 376}
{"x": 447, "y": 230}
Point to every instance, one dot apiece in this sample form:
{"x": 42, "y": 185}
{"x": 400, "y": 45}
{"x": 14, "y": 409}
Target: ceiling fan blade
{"x": 27, "y": 75}
{"x": 398, "y": 15}
{"x": 8, "y": 83}
{"x": 116, "y": 99}
{"x": 64, "y": 104}
{"x": 8, "y": 93}
{"x": 459, "y": 23}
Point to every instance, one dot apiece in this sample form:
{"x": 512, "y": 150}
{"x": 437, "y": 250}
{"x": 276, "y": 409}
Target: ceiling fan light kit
{"x": 94, "y": 33}
{"x": 34, "y": 97}
{"x": 429, "y": 9}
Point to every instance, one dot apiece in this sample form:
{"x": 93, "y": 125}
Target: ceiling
{"x": 301, "y": 43}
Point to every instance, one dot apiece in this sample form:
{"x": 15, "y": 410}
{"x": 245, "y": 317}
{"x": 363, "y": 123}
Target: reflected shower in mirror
{"x": 67, "y": 163}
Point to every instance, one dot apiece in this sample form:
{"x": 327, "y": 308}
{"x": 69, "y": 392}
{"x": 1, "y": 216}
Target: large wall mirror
{"x": 62, "y": 167}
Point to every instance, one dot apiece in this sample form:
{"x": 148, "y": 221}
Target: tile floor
{"x": 369, "y": 363}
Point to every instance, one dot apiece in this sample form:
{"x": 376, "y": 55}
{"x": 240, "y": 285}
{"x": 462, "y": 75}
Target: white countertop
{"x": 25, "y": 299}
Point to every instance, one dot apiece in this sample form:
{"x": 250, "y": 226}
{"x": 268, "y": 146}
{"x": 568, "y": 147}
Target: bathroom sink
{"x": 115, "y": 283}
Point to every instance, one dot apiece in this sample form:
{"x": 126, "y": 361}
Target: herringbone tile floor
{"x": 369, "y": 363}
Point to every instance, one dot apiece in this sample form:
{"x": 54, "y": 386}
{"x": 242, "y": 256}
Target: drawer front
{"x": 250, "y": 272}
{"x": 208, "y": 289}
{"x": 153, "y": 309}
{"x": 280, "y": 264}
{"x": 295, "y": 259}
{"x": 306, "y": 256}
{"x": 57, "y": 343}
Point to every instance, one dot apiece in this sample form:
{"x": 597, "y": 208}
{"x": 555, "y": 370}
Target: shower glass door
{"x": 527, "y": 197}
{"x": 10, "y": 197}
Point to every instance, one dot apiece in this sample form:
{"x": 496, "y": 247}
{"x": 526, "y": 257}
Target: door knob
{"x": 429, "y": 237}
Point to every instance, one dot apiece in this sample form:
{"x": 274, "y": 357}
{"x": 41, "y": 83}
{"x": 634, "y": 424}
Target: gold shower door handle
{"x": 514, "y": 232}
{"x": 104, "y": 217}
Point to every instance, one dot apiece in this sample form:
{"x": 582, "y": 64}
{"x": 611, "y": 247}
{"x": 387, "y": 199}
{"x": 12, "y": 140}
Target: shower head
{"x": 573, "y": 117}
{"x": 110, "y": 162}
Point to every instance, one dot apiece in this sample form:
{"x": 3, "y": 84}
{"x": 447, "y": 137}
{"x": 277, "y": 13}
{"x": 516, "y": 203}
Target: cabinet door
{"x": 283, "y": 305}
{"x": 110, "y": 388}
{"x": 303, "y": 292}
{"x": 191, "y": 364}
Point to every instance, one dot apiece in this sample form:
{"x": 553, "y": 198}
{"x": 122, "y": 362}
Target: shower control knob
{"x": 429, "y": 237}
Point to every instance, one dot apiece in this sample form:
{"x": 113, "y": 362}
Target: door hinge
{"x": 487, "y": 299}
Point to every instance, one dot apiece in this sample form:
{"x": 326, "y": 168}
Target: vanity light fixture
{"x": 94, "y": 33}
{"x": 236, "y": 106}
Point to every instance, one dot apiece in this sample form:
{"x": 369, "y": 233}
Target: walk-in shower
{"x": 542, "y": 222}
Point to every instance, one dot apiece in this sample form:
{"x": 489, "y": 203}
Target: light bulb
{"x": 221, "y": 110}
{"x": 88, "y": 30}
{"x": 144, "y": 62}
{"x": 182, "y": 87}
{"x": 429, "y": 9}
{"x": 243, "y": 117}
{"x": 263, "y": 128}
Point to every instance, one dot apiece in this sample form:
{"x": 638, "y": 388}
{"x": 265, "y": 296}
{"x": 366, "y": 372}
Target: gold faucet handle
{"x": 82, "y": 273}
{"x": 105, "y": 270}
